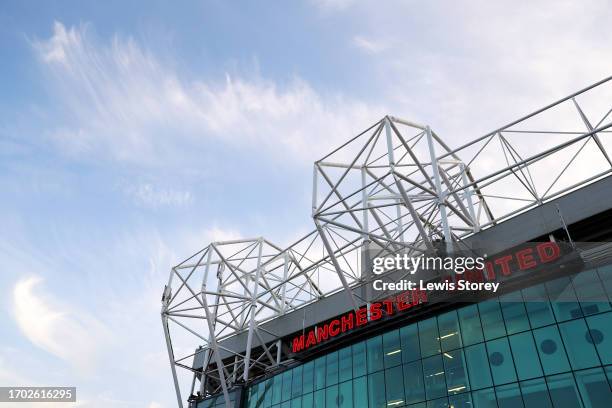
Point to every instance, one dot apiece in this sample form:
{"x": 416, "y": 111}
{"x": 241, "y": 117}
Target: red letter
{"x": 311, "y": 339}
{"x": 548, "y": 251}
{"x": 525, "y": 259}
{"x": 334, "y": 328}
{"x": 375, "y": 312}
{"x": 388, "y": 306}
{"x": 490, "y": 270}
{"x": 322, "y": 333}
{"x": 362, "y": 316}
{"x": 418, "y": 296}
{"x": 503, "y": 261}
{"x": 298, "y": 343}
{"x": 403, "y": 301}
{"x": 346, "y": 322}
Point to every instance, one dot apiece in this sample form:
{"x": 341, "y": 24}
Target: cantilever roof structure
{"x": 397, "y": 185}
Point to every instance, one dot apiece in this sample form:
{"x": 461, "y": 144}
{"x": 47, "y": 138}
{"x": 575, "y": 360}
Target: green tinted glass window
{"x": 435, "y": 382}
{"x": 478, "y": 366}
{"x": 525, "y": 356}
{"x": 414, "y": 385}
{"x": 409, "y": 337}
{"x": 551, "y": 351}
{"x": 491, "y": 318}
{"x": 471, "y": 328}
{"x": 600, "y": 333}
{"x": 345, "y": 364}
{"x": 359, "y": 359}
{"x": 535, "y": 394}
{"x": 429, "y": 337}
{"x": 450, "y": 336}
{"x": 392, "y": 349}
{"x": 375, "y": 354}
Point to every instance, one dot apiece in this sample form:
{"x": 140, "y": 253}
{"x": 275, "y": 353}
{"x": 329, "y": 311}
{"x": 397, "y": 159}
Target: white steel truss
{"x": 398, "y": 185}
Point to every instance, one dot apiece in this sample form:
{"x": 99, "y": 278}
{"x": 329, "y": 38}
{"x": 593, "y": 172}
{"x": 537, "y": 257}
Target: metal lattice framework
{"x": 397, "y": 185}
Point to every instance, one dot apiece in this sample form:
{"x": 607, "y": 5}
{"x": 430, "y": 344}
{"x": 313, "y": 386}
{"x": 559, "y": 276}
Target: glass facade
{"x": 548, "y": 345}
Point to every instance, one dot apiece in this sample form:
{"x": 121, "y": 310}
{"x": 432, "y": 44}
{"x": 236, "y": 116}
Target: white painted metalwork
{"x": 404, "y": 190}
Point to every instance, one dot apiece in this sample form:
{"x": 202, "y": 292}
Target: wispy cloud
{"x": 150, "y": 195}
{"x": 125, "y": 104}
{"x": 332, "y": 5}
{"x": 369, "y": 45}
{"x": 57, "y": 328}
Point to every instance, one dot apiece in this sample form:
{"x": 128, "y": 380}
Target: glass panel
{"x": 286, "y": 390}
{"x": 277, "y": 389}
{"x": 471, "y": 329}
{"x": 376, "y": 390}
{"x": 513, "y": 310}
{"x": 307, "y": 374}
{"x": 394, "y": 386}
{"x": 261, "y": 390}
{"x": 319, "y": 373}
{"x": 594, "y": 388}
{"x": 286, "y": 404}
{"x": 392, "y": 349}
{"x": 484, "y": 398}
{"x": 296, "y": 402}
{"x": 456, "y": 374}
{"x": 590, "y": 293}
{"x": 307, "y": 400}
{"x": 331, "y": 375}
{"x": 345, "y": 395}
{"x": 478, "y": 366}
{"x": 414, "y": 386}
{"x": 538, "y": 307}
{"x": 609, "y": 374}
{"x": 319, "y": 399}
{"x": 345, "y": 364}
{"x": 563, "y": 392}
{"x": 438, "y": 403}
{"x": 296, "y": 385}
{"x": 535, "y": 394}
{"x": 375, "y": 354}
{"x": 450, "y": 338}
{"x": 360, "y": 392}
{"x": 500, "y": 359}
{"x": 435, "y": 384}
{"x": 409, "y": 336}
{"x": 268, "y": 393}
{"x": 525, "y": 356}
{"x": 460, "y": 400}
{"x": 491, "y": 318}
{"x": 563, "y": 299}
{"x": 359, "y": 359}
{"x": 600, "y": 331}
{"x": 331, "y": 397}
{"x": 429, "y": 337}
{"x": 551, "y": 351}
{"x": 509, "y": 396}
{"x": 578, "y": 344}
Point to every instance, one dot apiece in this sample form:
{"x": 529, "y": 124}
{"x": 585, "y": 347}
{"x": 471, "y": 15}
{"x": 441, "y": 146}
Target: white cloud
{"x": 369, "y": 45}
{"x": 332, "y": 5}
{"x": 123, "y": 103}
{"x": 57, "y": 328}
{"x": 152, "y": 196}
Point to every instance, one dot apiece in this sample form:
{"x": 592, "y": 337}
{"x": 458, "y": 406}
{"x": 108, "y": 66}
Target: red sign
{"x": 358, "y": 318}
{"x": 496, "y": 268}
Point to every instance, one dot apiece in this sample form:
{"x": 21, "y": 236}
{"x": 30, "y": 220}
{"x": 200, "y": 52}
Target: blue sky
{"x": 133, "y": 134}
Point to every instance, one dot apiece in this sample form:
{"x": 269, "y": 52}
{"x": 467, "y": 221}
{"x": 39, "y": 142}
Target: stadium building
{"x": 249, "y": 323}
